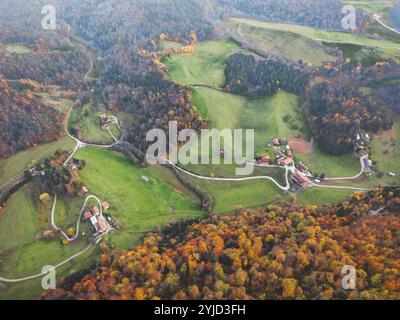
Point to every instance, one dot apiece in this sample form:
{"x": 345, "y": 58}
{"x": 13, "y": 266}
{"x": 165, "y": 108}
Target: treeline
{"x": 136, "y": 85}
{"x": 25, "y": 120}
{"x": 132, "y": 23}
{"x": 253, "y": 77}
{"x": 131, "y": 82}
{"x": 55, "y": 58}
{"x": 390, "y": 94}
{"x": 338, "y": 112}
{"x": 314, "y": 13}
{"x": 55, "y": 178}
{"x": 65, "y": 69}
{"x": 356, "y": 74}
{"x": 281, "y": 252}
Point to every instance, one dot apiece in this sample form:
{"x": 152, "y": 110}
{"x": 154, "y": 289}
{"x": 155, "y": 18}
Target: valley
{"x": 83, "y": 159}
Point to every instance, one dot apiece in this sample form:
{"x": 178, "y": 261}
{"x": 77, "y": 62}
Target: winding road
{"x": 284, "y": 188}
{"x": 79, "y": 144}
{"x": 378, "y": 19}
{"x": 53, "y": 209}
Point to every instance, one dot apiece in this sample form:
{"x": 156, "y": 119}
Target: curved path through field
{"x": 42, "y": 274}
{"x": 378, "y": 19}
{"x": 79, "y": 144}
{"x": 53, "y": 209}
{"x": 350, "y": 178}
{"x": 284, "y": 188}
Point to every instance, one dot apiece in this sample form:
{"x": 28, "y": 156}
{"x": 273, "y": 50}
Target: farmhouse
{"x": 93, "y": 221}
{"x": 73, "y": 167}
{"x": 302, "y": 167}
{"x": 265, "y": 160}
{"x": 95, "y": 211}
{"x": 285, "y": 161}
{"x": 87, "y": 215}
{"x": 105, "y": 205}
{"x": 105, "y": 119}
{"x": 101, "y": 224}
{"x": 301, "y": 180}
{"x": 83, "y": 191}
{"x": 366, "y": 164}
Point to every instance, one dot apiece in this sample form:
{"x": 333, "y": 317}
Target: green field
{"x": 366, "y": 56}
{"x": 108, "y": 175}
{"x": 319, "y": 196}
{"x": 319, "y": 34}
{"x": 138, "y": 205}
{"x": 382, "y": 48}
{"x": 275, "y": 117}
{"x": 280, "y": 43}
{"x": 279, "y": 116}
{"x": 17, "y": 163}
{"x": 86, "y": 125}
{"x": 347, "y": 165}
{"x": 223, "y": 109}
{"x": 21, "y": 253}
{"x": 386, "y": 152}
{"x": 229, "y": 196}
{"x": 205, "y": 66}
{"x": 18, "y": 48}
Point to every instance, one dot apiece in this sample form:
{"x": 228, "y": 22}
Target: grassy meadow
{"x": 205, "y": 66}
{"x": 281, "y": 43}
{"x": 17, "y": 163}
{"x": 18, "y": 48}
{"x": 139, "y": 206}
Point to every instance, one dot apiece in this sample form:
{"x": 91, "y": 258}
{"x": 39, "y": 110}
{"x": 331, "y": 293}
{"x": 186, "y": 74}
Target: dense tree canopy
{"x": 282, "y": 252}
{"x": 24, "y": 119}
{"x": 337, "y": 113}
{"x": 320, "y": 14}
{"x": 262, "y": 77}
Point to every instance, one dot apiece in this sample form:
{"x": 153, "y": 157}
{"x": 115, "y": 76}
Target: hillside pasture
{"x": 138, "y": 205}
{"x": 280, "y": 43}
{"x": 205, "y": 66}
{"x": 320, "y": 35}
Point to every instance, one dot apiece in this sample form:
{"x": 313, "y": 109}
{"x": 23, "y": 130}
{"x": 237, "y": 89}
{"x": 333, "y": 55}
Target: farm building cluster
{"x": 106, "y": 120}
{"x": 100, "y": 222}
{"x": 279, "y": 152}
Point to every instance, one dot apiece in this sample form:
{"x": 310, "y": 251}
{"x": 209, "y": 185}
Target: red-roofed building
{"x": 87, "y": 215}
{"x": 101, "y": 224}
{"x": 302, "y": 167}
{"x": 95, "y": 210}
{"x": 303, "y": 181}
{"x": 285, "y": 162}
{"x": 83, "y": 191}
{"x": 265, "y": 160}
{"x": 105, "y": 205}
